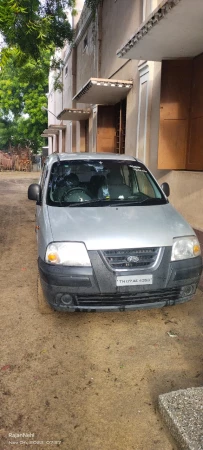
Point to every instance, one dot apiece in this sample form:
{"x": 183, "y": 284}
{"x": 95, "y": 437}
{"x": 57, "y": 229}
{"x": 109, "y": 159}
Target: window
{"x": 43, "y": 177}
{"x": 102, "y": 183}
{"x": 66, "y": 71}
{"x": 85, "y": 43}
{"x": 146, "y": 185}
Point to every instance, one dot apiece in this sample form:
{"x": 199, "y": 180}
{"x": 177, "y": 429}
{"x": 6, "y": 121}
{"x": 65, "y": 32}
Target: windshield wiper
{"x": 154, "y": 201}
{"x": 146, "y": 201}
{"x": 125, "y": 203}
{"x": 108, "y": 202}
{"x": 98, "y": 202}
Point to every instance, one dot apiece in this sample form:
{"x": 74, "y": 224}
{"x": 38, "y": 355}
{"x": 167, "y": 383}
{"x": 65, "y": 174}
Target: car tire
{"x": 43, "y": 306}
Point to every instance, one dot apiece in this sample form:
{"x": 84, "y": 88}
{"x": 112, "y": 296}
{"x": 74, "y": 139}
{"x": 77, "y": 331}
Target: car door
{"x": 39, "y": 209}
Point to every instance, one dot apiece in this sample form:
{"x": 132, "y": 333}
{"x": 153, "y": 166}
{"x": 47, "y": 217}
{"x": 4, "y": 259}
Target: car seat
{"x": 116, "y": 186}
{"x": 96, "y": 181}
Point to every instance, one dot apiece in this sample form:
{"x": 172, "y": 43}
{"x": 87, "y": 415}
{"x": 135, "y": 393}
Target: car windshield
{"x": 102, "y": 182}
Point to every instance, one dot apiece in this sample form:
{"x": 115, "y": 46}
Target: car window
{"x": 43, "y": 177}
{"x": 145, "y": 185}
{"x": 88, "y": 181}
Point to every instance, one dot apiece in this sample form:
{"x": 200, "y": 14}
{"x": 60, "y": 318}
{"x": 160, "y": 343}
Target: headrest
{"x": 115, "y": 177}
{"x": 72, "y": 179}
{"x": 97, "y": 180}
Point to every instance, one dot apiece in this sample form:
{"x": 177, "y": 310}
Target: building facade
{"x": 132, "y": 83}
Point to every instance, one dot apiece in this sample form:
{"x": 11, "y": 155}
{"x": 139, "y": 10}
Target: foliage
{"x": 56, "y": 63}
{"x": 22, "y": 95}
{"x": 58, "y": 83}
{"x": 31, "y": 30}
{"x": 92, "y": 4}
{"x": 31, "y": 25}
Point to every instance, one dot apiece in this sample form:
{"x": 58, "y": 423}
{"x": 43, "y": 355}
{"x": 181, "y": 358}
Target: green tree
{"x": 33, "y": 25}
{"x": 22, "y": 95}
{"x": 31, "y": 31}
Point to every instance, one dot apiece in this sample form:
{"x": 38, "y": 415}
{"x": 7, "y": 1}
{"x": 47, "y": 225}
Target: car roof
{"x": 88, "y": 156}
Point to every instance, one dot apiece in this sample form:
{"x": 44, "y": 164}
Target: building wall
{"x": 86, "y": 49}
{"x": 79, "y": 4}
{"x": 154, "y": 121}
{"x": 129, "y": 72}
{"x": 107, "y": 31}
{"x": 54, "y": 106}
{"x": 186, "y": 186}
{"x": 116, "y": 31}
{"x": 186, "y": 195}
{"x": 58, "y": 100}
{"x": 67, "y": 82}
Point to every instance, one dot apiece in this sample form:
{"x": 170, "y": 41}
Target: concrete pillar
{"x": 54, "y": 143}
{"x": 60, "y": 141}
{"x": 74, "y": 136}
{"x": 50, "y": 149}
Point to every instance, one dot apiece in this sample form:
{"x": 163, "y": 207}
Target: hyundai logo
{"x": 132, "y": 259}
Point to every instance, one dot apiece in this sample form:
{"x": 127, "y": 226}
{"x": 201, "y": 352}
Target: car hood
{"x": 103, "y": 228}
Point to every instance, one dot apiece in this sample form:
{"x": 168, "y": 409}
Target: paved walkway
{"x": 183, "y": 412}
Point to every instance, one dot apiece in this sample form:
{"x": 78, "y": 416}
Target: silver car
{"x": 108, "y": 238}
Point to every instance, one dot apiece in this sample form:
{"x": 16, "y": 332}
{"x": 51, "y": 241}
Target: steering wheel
{"x": 84, "y": 191}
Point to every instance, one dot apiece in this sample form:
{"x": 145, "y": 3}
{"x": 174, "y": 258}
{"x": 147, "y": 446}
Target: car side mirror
{"x": 166, "y": 188}
{"x": 34, "y": 192}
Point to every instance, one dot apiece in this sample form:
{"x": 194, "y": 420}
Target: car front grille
{"x": 127, "y": 299}
{"x": 135, "y": 258}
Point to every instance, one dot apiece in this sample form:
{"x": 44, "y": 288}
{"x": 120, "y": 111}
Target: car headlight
{"x": 67, "y": 254}
{"x": 185, "y": 248}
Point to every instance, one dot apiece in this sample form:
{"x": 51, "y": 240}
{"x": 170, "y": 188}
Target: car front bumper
{"x": 94, "y": 288}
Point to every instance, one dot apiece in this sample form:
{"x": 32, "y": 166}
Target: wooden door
{"x": 195, "y": 142}
{"x": 174, "y": 114}
{"x": 120, "y": 116}
{"x": 106, "y": 129}
{"x": 84, "y": 136}
{"x": 87, "y": 136}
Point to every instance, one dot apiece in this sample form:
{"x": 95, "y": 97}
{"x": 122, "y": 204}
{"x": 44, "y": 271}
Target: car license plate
{"x": 134, "y": 280}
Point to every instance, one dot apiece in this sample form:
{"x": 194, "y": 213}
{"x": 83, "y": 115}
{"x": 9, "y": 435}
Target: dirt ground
{"x": 83, "y": 381}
